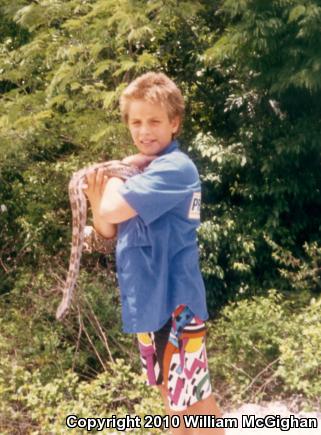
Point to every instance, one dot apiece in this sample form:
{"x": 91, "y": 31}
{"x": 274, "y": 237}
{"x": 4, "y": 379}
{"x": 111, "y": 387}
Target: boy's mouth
{"x": 147, "y": 142}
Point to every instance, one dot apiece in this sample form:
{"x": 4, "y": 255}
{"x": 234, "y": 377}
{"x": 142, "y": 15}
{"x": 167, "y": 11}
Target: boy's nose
{"x": 144, "y": 129}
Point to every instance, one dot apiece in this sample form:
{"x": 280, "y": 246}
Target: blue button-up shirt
{"x": 157, "y": 254}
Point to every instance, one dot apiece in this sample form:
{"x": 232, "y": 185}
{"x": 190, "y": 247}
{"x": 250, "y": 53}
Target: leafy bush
{"x": 243, "y": 347}
{"x": 300, "y": 359}
{"x": 266, "y": 347}
{"x": 42, "y": 407}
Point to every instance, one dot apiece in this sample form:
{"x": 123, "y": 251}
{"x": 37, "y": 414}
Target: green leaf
{"x": 102, "y": 67}
{"x": 126, "y": 65}
{"x": 147, "y": 61}
{"x": 296, "y": 13}
{"x": 108, "y": 99}
{"x": 219, "y": 50}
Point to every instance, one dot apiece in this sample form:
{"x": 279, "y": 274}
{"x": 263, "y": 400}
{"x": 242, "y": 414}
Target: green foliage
{"x": 259, "y": 146}
{"x": 243, "y": 347}
{"x": 279, "y": 39}
{"x": 42, "y": 407}
{"x": 265, "y": 347}
{"x": 302, "y": 273}
{"x": 300, "y": 353}
{"x": 49, "y": 370}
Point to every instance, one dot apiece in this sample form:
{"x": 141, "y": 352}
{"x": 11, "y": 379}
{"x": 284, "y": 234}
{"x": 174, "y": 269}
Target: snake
{"x": 84, "y": 237}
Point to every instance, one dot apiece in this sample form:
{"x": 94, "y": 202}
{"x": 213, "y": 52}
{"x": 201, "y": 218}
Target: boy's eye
{"x": 155, "y": 121}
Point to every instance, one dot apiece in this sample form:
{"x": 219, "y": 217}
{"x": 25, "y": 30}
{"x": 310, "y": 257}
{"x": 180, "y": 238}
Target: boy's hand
{"x": 94, "y": 188}
{"x": 139, "y": 160}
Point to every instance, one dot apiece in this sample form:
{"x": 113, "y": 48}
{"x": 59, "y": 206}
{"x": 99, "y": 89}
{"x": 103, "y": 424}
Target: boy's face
{"x": 150, "y": 126}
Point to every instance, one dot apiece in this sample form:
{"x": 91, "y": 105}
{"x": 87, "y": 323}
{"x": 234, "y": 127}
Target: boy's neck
{"x": 173, "y": 145}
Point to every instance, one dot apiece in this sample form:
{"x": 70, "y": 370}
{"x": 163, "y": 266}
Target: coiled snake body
{"x": 85, "y": 237}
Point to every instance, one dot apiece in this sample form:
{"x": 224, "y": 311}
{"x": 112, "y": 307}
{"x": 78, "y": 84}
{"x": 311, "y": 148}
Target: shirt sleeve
{"x": 158, "y": 189}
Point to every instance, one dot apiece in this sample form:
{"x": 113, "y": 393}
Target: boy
{"x": 156, "y": 214}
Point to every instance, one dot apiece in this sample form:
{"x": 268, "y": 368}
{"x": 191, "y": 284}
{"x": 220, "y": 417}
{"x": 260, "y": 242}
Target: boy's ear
{"x": 175, "y": 124}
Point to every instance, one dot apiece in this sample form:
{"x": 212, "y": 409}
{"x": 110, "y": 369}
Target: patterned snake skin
{"x": 85, "y": 237}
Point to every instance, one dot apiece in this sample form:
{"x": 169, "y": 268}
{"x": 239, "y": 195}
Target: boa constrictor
{"x": 85, "y": 237}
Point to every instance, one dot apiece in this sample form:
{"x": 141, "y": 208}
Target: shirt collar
{"x": 174, "y": 145}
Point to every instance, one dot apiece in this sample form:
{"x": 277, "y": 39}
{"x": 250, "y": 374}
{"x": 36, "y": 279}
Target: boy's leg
{"x": 187, "y": 340}
{"x": 169, "y": 357}
{"x": 207, "y": 406}
{"x": 177, "y": 431}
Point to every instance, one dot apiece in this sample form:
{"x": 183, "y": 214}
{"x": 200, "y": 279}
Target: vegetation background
{"x": 251, "y": 74}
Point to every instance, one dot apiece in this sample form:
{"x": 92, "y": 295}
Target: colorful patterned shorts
{"x": 175, "y": 356}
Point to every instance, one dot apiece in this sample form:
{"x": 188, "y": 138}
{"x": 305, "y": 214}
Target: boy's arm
{"x": 96, "y": 184}
{"x": 108, "y": 206}
{"x": 113, "y": 208}
{"x": 104, "y": 228}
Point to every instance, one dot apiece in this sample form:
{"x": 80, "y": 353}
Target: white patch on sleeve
{"x": 195, "y": 207}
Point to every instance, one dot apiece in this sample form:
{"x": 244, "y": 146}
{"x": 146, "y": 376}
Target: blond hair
{"x": 154, "y": 88}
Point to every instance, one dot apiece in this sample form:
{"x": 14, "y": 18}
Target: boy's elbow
{"x": 108, "y": 231}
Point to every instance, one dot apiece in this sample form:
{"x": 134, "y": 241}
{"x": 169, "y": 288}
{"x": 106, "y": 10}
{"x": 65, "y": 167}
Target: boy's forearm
{"x": 100, "y": 220}
{"x": 103, "y": 227}
{"x": 113, "y": 208}
{"x": 105, "y": 216}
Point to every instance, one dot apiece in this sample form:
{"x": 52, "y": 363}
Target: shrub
{"x": 300, "y": 358}
{"x": 243, "y": 347}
